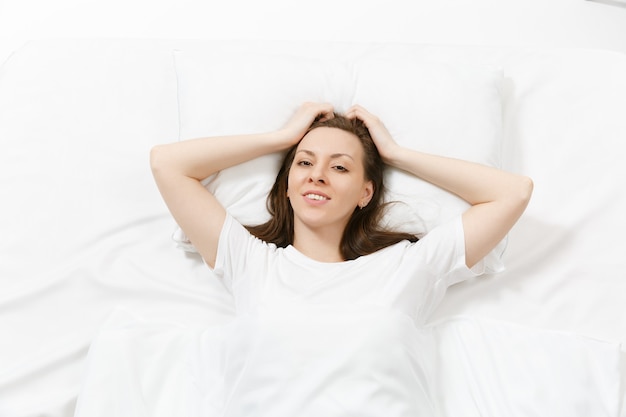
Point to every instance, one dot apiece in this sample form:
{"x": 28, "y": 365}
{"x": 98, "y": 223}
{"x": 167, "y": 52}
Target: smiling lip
{"x": 315, "y": 197}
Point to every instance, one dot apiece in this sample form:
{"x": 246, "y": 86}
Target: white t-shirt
{"x": 333, "y": 339}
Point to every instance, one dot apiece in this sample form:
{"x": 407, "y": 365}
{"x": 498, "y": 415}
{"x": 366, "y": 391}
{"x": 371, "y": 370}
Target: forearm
{"x": 199, "y": 158}
{"x": 473, "y": 182}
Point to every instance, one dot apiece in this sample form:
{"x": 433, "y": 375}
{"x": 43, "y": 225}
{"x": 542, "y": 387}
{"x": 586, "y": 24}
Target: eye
{"x": 340, "y": 168}
{"x": 305, "y": 163}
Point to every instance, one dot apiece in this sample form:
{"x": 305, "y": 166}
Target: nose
{"x": 317, "y": 176}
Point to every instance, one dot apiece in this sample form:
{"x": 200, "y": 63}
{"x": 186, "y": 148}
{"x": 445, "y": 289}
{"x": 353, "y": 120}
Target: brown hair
{"x": 363, "y": 233}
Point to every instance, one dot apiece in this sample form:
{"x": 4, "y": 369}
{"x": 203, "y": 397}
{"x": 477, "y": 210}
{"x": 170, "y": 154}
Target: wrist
{"x": 284, "y": 139}
{"x": 393, "y": 156}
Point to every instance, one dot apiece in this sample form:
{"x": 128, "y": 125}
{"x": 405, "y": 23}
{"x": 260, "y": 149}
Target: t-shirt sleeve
{"x": 443, "y": 251}
{"x": 237, "y": 253}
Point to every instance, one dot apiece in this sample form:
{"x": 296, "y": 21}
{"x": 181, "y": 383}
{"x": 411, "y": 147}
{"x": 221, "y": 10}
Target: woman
{"x": 329, "y": 306}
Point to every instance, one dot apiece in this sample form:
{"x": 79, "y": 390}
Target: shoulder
{"x": 442, "y": 248}
{"x": 235, "y": 232}
{"x": 447, "y": 233}
{"x": 237, "y": 247}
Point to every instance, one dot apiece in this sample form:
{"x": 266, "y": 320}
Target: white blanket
{"x": 468, "y": 366}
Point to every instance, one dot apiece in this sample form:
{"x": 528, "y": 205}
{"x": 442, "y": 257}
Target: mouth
{"x": 316, "y": 197}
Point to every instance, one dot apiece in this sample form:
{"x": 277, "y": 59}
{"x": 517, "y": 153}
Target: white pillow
{"x": 440, "y": 108}
{"x": 222, "y": 93}
{"x": 443, "y": 108}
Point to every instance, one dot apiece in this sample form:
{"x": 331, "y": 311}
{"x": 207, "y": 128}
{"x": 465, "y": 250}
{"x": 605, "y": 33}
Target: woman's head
{"x": 333, "y": 177}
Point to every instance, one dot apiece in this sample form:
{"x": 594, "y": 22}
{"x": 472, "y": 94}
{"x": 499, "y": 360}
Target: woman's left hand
{"x": 385, "y": 144}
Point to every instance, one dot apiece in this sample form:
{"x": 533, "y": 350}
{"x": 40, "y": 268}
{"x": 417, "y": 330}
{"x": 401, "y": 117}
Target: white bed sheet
{"x": 84, "y": 230}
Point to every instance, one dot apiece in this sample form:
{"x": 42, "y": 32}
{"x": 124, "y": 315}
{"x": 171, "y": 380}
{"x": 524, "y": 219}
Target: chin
{"x": 321, "y": 221}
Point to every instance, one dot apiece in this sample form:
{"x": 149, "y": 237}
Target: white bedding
{"x": 84, "y": 231}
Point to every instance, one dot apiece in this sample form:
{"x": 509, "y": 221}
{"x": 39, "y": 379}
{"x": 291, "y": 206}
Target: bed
{"x": 87, "y": 241}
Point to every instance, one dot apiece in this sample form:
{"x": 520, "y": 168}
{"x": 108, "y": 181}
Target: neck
{"x": 319, "y": 245}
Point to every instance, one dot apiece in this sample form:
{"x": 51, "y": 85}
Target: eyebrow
{"x": 333, "y": 156}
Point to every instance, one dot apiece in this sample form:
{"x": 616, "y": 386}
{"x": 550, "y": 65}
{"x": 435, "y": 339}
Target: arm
{"x": 497, "y": 198}
{"x": 179, "y": 167}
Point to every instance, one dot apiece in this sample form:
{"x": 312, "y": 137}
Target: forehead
{"x": 331, "y": 140}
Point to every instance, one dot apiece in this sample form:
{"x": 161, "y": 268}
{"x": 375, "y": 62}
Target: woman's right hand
{"x": 297, "y": 126}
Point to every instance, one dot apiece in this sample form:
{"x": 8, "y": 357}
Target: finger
{"x": 326, "y": 115}
{"x": 317, "y": 108}
{"x": 352, "y": 112}
{"x": 358, "y": 112}
{"x": 327, "y": 111}
{"x": 358, "y": 107}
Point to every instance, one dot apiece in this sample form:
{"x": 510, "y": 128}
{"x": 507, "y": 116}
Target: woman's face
{"x": 327, "y": 179}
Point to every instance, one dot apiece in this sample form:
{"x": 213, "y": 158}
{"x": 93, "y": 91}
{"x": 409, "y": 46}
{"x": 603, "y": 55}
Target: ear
{"x": 368, "y": 193}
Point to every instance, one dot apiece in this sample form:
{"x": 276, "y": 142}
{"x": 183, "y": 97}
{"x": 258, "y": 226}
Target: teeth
{"x": 315, "y": 197}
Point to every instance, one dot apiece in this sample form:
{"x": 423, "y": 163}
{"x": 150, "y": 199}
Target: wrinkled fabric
{"x": 277, "y": 367}
{"x": 341, "y": 339}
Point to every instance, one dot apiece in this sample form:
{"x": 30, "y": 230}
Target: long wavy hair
{"x": 364, "y": 233}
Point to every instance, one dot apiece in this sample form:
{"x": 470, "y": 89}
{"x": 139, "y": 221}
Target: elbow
{"x": 527, "y": 186}
{"x": 523, "y": 191}
{"x": 157, "y": 159}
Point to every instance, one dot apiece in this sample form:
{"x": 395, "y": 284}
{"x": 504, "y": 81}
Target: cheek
{"x": 292, "y": 181}
{"x": 350, "y": 188}
{"x": 296, "y": 175}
